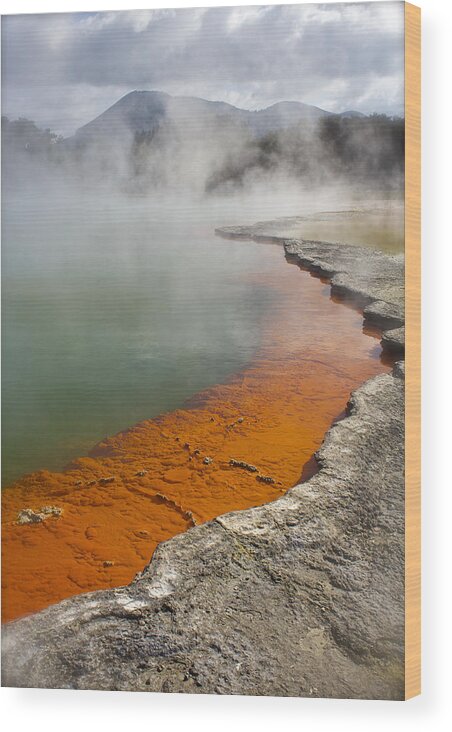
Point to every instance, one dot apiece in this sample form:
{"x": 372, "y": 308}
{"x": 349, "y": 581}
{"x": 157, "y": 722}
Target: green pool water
{"x": 115, "y": 311}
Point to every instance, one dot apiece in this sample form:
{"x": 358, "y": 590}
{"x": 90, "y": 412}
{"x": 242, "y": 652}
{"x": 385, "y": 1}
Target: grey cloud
{"x": 334, "y": 56}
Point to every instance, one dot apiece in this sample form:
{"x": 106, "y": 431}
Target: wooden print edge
{"x": 413, "y": 350}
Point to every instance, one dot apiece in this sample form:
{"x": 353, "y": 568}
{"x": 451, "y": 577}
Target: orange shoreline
{"x": 164, "y": 475}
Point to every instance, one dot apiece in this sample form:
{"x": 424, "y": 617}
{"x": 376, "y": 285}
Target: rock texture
{"x": 28, "y": 516}
{"x": 302, "y": 597}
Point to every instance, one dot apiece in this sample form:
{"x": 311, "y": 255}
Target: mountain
{"x": 352, "y": 114}
{"x": 146, "y": 111}
{"x": 282, "y": 115}
{"x": 149, "y": 140}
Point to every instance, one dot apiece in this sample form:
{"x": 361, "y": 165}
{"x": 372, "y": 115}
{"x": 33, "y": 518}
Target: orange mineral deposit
{"x": 235, "y": 445}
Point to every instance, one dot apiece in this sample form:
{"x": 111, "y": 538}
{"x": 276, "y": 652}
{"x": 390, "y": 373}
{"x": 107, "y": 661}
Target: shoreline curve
{"x": 302, "y": 596}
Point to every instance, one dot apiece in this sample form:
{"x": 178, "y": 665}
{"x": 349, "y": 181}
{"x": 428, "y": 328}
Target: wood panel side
{"x": 413, "y": 350}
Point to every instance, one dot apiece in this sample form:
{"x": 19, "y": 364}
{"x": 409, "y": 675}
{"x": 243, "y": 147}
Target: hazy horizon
{"x": 218, "y": 100}
{"x": 348, "y": 56}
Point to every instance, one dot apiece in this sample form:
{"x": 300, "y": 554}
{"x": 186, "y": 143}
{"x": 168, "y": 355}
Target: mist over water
{"x": 117, "y": 309}
{"x": 120, "y": 307}
{"x": 120, "y": 302}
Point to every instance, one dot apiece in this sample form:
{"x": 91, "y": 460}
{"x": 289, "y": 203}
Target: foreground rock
{"x": 302, "y": 597}
{"x": 28, "y": 516}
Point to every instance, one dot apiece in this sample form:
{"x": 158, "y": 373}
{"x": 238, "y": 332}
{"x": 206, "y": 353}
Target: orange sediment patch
{"x": 164, "y": 475}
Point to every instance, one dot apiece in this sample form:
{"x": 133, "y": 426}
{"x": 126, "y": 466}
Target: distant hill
{"x": 149, "y": 140}
{"x": 352, "y": 114}
{"x": 146, "y": 111}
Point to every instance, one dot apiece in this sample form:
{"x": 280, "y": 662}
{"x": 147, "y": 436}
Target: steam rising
{"x": 150, "y": 143}
{"x": 114, "y": 281}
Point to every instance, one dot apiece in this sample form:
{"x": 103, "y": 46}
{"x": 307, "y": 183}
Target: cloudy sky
{"x": 61, "y": 70}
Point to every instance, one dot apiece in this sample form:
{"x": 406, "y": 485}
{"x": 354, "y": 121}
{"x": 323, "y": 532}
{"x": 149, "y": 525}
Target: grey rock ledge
{"x": 300, "y": 597}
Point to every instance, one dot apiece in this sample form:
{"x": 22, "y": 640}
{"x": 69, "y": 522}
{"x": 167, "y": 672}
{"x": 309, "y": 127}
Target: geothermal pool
{"x": 220, "y": 350}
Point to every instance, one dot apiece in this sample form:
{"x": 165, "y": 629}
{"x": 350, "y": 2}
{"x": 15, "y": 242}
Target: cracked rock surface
{"x": 301, "y": 597}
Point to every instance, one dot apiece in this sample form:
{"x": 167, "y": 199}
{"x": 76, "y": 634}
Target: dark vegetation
{"x": 23, "y": 136}
{"x": 354, "y": 150}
